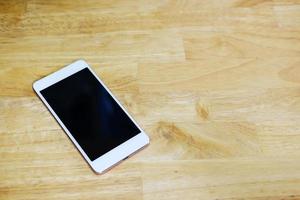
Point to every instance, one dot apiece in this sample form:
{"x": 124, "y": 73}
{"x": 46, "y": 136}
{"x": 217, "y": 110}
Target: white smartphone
{"x": 92, "y": 117}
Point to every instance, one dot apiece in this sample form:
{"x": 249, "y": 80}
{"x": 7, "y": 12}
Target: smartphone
{"x": 92, "y": 117}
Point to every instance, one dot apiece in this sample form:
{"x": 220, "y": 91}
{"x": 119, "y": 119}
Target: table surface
{"x": 215, "y": 84}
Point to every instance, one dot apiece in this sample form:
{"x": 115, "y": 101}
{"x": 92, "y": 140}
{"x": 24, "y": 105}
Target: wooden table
{"x": 216, "y": 84}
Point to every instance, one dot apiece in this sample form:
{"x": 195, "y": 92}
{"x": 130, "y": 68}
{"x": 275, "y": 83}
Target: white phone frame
{"x": 115, "y": 155}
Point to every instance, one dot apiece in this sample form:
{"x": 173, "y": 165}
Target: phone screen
{"x": 90, "y": 113}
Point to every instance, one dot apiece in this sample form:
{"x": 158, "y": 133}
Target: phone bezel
{"x": 116, "y": 154}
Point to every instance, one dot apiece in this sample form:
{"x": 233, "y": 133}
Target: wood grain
{"x": 215, "y": 84}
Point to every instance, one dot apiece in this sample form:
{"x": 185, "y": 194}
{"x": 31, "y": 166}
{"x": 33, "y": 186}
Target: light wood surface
{"x": 216, "y": 85}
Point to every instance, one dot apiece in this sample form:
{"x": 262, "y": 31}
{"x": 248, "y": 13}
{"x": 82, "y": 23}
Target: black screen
{"x": 90, "y": 113}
